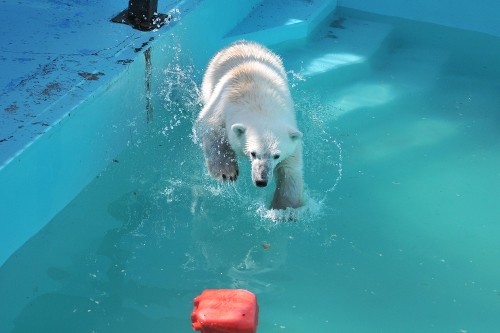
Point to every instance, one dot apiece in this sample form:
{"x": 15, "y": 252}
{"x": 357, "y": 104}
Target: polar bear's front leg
{"x": 220, "y": 159}
{"x": 289, "y": 183}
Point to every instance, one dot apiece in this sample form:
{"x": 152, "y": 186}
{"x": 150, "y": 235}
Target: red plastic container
{"x": 225, "y": 311}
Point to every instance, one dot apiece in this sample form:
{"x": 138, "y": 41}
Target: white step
{"x": 342, "y": 47}
{"x": 276, "y": 21}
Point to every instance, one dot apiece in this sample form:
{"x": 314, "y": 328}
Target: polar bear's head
{"x": 264, "y": 147}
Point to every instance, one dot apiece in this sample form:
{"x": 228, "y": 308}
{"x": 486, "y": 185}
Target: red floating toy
{"x": 225, "y": 311}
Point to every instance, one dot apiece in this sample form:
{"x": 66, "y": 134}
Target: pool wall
{"x": 480, "y": 16}
{"x": 48, "y": 174}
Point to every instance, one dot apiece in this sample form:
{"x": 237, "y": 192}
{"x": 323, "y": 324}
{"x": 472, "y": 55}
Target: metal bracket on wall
{"x": 142, "y": 15}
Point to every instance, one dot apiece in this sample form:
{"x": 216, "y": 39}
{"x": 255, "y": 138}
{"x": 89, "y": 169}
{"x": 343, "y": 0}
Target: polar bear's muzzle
{"x": 262, "y": 171}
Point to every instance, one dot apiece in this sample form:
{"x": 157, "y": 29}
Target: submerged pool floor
{"x": 400, "y": 233}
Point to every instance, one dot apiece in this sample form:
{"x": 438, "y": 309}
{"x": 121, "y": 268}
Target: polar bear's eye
{"x": 276, "y": 156}
{"x": 253, "y": 154}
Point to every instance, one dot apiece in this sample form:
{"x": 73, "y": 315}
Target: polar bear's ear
{"x": 295, "y": 134}
{"x": 239, "y": 129}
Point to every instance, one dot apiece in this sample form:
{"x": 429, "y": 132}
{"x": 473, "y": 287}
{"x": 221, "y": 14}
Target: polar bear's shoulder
{"x": 240, "y": 54}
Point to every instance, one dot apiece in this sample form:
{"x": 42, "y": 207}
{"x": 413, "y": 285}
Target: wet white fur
{"x": 248, "y": 110}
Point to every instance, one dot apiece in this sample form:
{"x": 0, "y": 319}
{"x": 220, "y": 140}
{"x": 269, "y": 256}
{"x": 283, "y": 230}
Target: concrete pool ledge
{"x": 64, "y": 53}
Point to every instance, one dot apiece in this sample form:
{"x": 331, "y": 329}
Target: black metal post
{"x": 142, "y": 15}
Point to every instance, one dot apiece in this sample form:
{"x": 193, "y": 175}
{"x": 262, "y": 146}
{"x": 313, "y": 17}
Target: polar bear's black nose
{"x": 261, "y": 183}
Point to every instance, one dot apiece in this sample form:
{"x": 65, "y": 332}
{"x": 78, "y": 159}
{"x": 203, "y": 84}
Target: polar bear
{"x": 248, "y": 111}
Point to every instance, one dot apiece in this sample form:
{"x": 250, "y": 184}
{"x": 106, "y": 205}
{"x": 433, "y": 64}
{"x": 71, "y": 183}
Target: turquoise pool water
{"x": 400, "y": 233}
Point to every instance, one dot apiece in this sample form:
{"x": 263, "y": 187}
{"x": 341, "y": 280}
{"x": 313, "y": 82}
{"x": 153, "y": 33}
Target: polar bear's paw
{"x": 223, "y": 166}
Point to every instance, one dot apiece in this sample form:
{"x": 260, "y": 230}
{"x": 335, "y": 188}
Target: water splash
{"x": 179, "y": 92}
{"x": 295, "y": 78}
{"x": 322, "y": 151}
{"x": 323, "y": 155}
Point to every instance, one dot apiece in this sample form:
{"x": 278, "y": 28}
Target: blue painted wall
{"x": 482, "y": 16}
